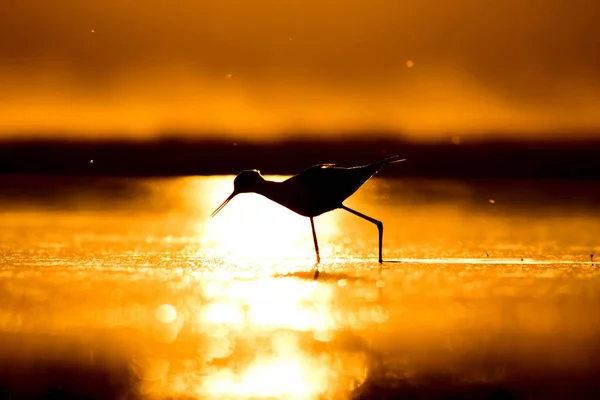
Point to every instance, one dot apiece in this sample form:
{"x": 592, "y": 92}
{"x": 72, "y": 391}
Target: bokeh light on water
{"x": 128, "y": 286}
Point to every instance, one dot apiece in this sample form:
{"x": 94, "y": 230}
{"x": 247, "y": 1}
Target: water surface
{"x": 115, "y": 287}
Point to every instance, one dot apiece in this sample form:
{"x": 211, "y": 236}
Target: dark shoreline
{"x": 499, "y": 159}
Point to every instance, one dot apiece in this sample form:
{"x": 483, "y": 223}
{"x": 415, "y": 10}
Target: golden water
{"x": 116, "y": 288}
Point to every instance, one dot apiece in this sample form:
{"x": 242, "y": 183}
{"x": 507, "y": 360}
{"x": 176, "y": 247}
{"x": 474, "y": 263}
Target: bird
{"x": 314, "y": 191}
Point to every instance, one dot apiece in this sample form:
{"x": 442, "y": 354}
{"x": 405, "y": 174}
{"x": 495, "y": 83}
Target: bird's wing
{"x": 311, "y": 177}
{"x": 335, "y": 184}
{"x": 327, "y": 181}
{"x": 312, "y": 174}
{"x": 318, "y": 167}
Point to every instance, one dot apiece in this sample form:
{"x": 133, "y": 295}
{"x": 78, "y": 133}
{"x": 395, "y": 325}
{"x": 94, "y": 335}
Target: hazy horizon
{"x": 427, "y": 69}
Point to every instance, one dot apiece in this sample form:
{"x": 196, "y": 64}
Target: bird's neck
{"x": 269, "y": 189}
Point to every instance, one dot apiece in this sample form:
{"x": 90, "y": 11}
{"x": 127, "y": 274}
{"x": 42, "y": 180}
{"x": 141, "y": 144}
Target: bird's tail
{"x": 378, "y": 165}
{"x": 392, "y": 159}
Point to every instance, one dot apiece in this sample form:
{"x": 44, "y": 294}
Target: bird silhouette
{"x": 314, "y": 191}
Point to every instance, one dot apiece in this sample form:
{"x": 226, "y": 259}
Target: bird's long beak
{"x": 231, "y": 196}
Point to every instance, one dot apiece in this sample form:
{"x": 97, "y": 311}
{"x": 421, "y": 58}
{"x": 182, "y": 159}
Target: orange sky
{"x": 262, "y": 69}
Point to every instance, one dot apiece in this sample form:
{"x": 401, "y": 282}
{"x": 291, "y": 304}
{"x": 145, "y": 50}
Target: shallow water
{"x": 117, "y": 288}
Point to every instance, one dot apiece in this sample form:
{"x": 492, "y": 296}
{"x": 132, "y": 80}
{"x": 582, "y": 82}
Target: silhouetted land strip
{"x": 577, "y": 160}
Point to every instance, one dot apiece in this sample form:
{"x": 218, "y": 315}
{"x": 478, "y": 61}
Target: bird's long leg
{"x": 376, "y": 222}
{"x": 312, "y": 224}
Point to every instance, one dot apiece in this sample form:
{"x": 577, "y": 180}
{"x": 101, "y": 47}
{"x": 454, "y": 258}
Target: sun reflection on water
{"x": 270, "y": 303}
{"x": 253, "y": 228}
{"x": 269, "y": 338}
{"x": 286, "y": 373}
{"x": 228, "y": 308}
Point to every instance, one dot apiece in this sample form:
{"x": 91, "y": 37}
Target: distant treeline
{"x": 169, "y": 157}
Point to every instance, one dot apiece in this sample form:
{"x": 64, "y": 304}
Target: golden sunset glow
{"x": 267, "y": 71}
{"x": 444, "y": 164}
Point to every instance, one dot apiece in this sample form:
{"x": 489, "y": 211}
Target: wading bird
{"x": 314, "y": 191}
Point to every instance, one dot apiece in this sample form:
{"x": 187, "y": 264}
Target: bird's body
{"x": 314, "y": 191}
{"x": 320, "y": 188}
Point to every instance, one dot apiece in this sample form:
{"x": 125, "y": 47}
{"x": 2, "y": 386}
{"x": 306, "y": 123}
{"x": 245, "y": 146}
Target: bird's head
{"x": 245, "y": 182}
